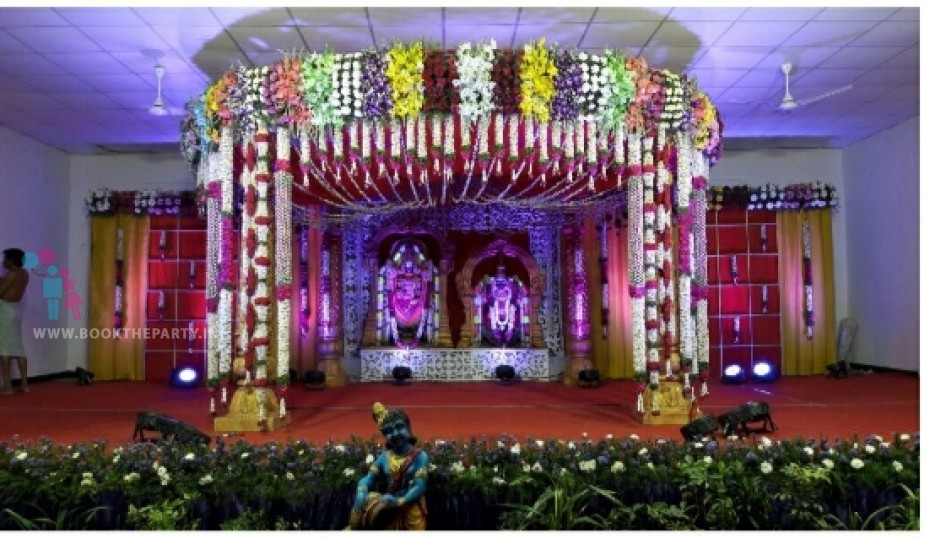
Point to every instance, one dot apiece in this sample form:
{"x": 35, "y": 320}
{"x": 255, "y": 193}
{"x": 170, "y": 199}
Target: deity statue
{"x": 501, "y": 312}
{"x": 407, "y": 311}
{"x": 501, "y": 304}
{"x": 391, "y": 495}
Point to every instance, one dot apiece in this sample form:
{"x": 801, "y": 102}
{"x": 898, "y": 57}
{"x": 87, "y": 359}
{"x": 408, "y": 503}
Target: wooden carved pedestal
{"x": 675, "y": 407}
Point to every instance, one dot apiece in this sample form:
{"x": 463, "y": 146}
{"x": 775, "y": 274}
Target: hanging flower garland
{"x": 376, "y": 91}
{"x": 405, "y": 73}
{"x": 347, "y": 97}
{"x": 316, "y": 85}
{"x": 808, "y": 280}
{"x": 619, "y": 90}
{"x": 506, "y": 77}
{"x": 770, "y": 197}
{"x": 118, "y": 296}
{"x": 105, "y": 201}
{"x": 566, "y": 103}
{"x": 474, "y": 83}
{"x": 537, "y": 86}
{"x": 285, "y": 100}
{"x": 672, "y": 111}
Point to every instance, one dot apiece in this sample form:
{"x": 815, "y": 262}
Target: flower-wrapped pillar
{"x": 579, "y": 326}
{"x": 329, "y": 333}
{"x": 699, "y": 289}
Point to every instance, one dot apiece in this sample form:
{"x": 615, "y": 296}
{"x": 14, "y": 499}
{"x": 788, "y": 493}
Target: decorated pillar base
{"x": 579, "y": 359}
{"x": 674, "y": 407}
{"x": 245, "y": 412}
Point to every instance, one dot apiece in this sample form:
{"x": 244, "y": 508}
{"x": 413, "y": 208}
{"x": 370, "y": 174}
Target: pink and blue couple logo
{"x": 57, "y": 285}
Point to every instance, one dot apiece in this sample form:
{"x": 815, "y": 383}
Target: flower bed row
{"x": 615, "y": 483}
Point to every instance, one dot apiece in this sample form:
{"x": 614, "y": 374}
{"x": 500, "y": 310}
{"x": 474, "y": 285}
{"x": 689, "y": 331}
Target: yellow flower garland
{"x": 215, "y": 100}
{"x": 405, "y": 73}
{"x": 537, "y": 77}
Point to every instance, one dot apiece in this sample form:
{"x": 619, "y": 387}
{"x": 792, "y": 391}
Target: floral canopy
{"x": 409, "y": 126}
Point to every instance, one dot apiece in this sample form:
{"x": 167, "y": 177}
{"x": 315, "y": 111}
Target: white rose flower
{"x": 75, "y": 455}
{"x": 498, "y": 481}
{"x": 289, "y": 476}
{"x": 828, "y": 464}
{"x": 515, "y": 449}
{"x": 21, "y": 455}
{"x": 809, "y": 451}
{"x": 207, "y": 479}
{"x": 540, "y": 443}
{"x": 904, "y": 437}
{"x": 650, "y": 465}
{"x": 634, "y": 437}
{"x": 348, "y": 472}
{"x": 341, "y": 448}
{"x": 643, "y": 450}
{"x": 369, "y": 459}
{"x": 869, "y": 448}
{"x": 766, "y": 442}
{"x": 856, "y": 463}
{"x": 526, "y": 468}
{"x": 617, "y": 467}
{"x": 87, "y": 482}
{"x": 87, "y": 475}
{"x": 571, "y": 445}
{"x": 897, "y": 466}
{"x": 501, "y": 444}
{"x": 766, "y": 467}
{"x": 245, "y": 455}
{"x": 708, "y": 459}
{"x": 537, "y": 468}
{"x": 609, "y": 437}
{"x": 698, "y": 445}
{"x": 189, "y": 456}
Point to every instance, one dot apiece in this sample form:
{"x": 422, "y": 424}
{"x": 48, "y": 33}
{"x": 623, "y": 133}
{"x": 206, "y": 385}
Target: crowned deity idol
{"x": 391, "y": 495}
{"x": 502, "y": 312}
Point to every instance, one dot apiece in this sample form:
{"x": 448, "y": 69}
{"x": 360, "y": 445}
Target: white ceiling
{"x": 82, "y": 79}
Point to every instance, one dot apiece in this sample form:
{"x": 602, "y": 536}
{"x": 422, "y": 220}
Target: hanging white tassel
{"x": 223, "y": 395}
{"x": 686, "y": 382}
{"x": 212, "y": 405}
{"x": 704, "y": 391}
{"x": 639, "y": 403}
{"x": 655, "y": 402}
{"x": 282, "y": 411}
{"x": 668, "y": 368}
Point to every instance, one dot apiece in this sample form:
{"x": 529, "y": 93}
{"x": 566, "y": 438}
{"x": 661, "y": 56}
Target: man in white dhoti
{"x": 12, "y": 288}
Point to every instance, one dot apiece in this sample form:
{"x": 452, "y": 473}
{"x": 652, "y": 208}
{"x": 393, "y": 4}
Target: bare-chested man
{"x": 12, "y": 288}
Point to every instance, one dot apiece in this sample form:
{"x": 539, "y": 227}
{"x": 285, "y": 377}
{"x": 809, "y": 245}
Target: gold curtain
{"x": 800, "y": 355}
{"x": 118, "y": 358}
{"x": 611, "y": 355}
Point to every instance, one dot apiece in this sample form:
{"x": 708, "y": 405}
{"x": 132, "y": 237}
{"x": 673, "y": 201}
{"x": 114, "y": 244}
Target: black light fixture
{"x": 84, "y": 376}
{"x": 185, "y": 377}
{"x": 505, "y": 374}
{"x": 764, "y": 371}
{"x": 314, "y": 379}
{"x": 401, "y": 374}
{"x": 733, "y": 374}
{"x": 589, "y": 378}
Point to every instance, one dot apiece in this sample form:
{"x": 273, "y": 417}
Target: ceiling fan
{"x": 159, "y": 108}
{"x": 789, "y": 103}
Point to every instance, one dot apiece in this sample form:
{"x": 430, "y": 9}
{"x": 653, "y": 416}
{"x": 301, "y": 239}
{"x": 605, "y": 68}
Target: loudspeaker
{"x": 589, "y": 378}
{"x": 401, "y": 374}
{"x": 696, "y": 430}
{"x": 314, "y": 379}
{"x": 505, "y": 373}
{"x": 84, "y": 376}
{"x": 171, "y": 429}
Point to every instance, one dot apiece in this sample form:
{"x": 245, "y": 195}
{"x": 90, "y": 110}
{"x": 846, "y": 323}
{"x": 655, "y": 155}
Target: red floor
{"x": 880, "y": 403}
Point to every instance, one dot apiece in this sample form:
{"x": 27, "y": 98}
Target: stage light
{"x": 589, "y": 378}
{"x": 764, "y": 371}
{"x": 505, "y": 373}
{"x": 733, "y": 374}
{"x": 185, "y": 377}
{"x": 84, "y": 377}
{"x": 314, "y": 379}
{"x": 401, "y": 374}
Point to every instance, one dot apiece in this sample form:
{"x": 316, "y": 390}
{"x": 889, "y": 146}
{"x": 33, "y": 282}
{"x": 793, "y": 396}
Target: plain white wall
{"x": 787, "y": 166}
{"x": 882, "y": 186}
{"x": 34, "y": 193}
{"x": 121, "y": 173}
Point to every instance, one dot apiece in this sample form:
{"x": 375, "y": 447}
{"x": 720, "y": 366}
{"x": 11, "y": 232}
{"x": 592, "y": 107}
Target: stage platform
{"x": 454, "y": 364}
{"x": 814, "y": 406}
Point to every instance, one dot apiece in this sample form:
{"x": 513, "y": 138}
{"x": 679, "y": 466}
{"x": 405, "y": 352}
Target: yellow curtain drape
{"x": 611, "y": 355}
{"x": 800, "y": 355}
{"x": 111, "y": 358}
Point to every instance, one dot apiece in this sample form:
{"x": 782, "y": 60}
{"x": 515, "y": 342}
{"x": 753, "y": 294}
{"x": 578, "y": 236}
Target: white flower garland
{"x": 476, "y": 89}
{"x": 224, "y": 310}
{"x": 283, "y": 254}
